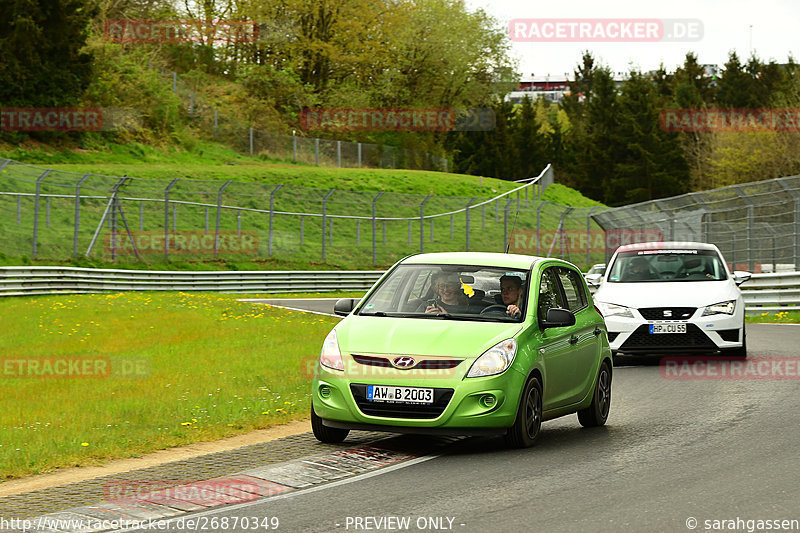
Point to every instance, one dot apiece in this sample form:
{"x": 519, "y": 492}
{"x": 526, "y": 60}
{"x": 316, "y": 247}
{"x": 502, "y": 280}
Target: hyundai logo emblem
{"x": 404, "y": 362}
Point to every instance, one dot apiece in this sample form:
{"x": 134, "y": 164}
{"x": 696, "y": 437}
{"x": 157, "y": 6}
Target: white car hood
{"x": 666, "y": 294}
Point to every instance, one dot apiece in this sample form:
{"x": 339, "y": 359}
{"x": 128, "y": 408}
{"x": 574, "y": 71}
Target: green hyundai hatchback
{"x": 465, "y": 344}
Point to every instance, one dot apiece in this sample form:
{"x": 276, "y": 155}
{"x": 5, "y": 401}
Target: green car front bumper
{"x": 461, "y": 406}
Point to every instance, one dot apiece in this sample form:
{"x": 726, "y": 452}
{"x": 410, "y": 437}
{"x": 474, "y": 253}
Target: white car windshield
{"x": 667, "y": 265}
{"x": 452, "y": 291}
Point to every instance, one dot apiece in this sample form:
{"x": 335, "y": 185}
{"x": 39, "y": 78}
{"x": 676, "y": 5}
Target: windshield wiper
{"x": 376, "y": 313}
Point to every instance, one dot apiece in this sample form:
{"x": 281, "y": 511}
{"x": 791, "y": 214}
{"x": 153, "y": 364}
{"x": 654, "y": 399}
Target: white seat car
{"x": 672, "y": 297}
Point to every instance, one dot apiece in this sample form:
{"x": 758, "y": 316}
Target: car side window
{"x": 549, "y": 293}
{"x": 573, "y": 289}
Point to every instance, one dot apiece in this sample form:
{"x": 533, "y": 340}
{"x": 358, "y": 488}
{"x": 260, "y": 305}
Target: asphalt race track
{"x": 674, "y": 454}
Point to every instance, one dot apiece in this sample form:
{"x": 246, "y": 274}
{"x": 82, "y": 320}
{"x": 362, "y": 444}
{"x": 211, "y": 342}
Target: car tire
{"x": 740, "y": 352}
{"x": 324, "y": 433}
{"x": 528, "y": 423}
{"x": 597, "y": 412}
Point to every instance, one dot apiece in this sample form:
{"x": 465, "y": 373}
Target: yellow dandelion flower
{"x": 84, "y": 444}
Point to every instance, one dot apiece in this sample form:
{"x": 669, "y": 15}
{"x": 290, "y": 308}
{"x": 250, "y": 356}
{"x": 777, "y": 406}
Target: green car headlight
{"x": 608, "y": 310}
{"x": 722, "y": 308}
{"x": 495, "y": 360}
{"x": 330, "y": 357}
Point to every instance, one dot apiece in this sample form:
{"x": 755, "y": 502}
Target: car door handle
{"x": 573, "y": 339}
{"x": 597, "y": 331}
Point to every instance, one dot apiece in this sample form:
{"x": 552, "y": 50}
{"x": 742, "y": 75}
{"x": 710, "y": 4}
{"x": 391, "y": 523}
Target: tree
{"x": 41, "y": 62}
{"x": 734, "y": 85}
{"x": 528, "y": 141}
{"x": 648, "y": 162}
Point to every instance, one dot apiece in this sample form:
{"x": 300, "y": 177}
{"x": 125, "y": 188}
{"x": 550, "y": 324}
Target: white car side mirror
{"x": 740, "y": 276}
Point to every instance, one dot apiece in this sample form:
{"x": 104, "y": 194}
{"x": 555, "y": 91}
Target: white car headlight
{"x": 722, "y": 308}
{"x": 608, "y": 310}
{"x": 330, "y": 356}
{"x": 495, "y": 360}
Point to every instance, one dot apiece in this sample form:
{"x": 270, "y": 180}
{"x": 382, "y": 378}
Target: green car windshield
{"x": 459, "y": 292}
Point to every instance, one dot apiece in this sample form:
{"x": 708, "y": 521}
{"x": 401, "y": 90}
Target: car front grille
{"x": 425, "y": 364}
{"x": 642, "y": 339}
{"x": 441, "y": 397}
{"x": 675, "y": 313}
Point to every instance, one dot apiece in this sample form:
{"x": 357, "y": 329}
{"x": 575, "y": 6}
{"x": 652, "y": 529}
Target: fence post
{"x": 466, "y": 212}
{"x": 325, "y": 217}
{"x": 409, "y": 232}
{"x": 251, "y": 141}
{"x": 506, "y": 236}
{"x": 421, "y": 224}
{"x": 78, "y": 213}
{"x": 539, "y": 226}
{"x": 359, "y": 155}
{"x": 294, "y": 146}
{"x": 271, "y": 215}
{"x": 47, "y": 212}
{"x": 750, "y": 226}
{"x": 301, "y": 229}
{"x": 589, "y": 236}
{"x": 141, "y": 215}
{"x": 219, "y": 216}
{"x": 374, "y": 229}
{"x": 358, "y": 231}
{"x": 316, "y": 151}
{"x": 206, "y": 220}
{"x": 166, "y": 218}
{"x": 174, "y": 217}
{"x": 239, "y": 222}
{"x": 451, "y": 226}
{"x": 338, "y": 153}
{"x": 796, "y": 197}
{"x": 384, "y": 233}
{"x": 19, "y": 210}
{"x": 36, "y": 210}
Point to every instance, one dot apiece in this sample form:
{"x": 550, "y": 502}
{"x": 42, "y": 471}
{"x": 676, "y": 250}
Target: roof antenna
{"x": 513, "y": 225}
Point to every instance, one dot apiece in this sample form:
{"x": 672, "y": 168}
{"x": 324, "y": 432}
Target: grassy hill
{"x": 296, "y": 241}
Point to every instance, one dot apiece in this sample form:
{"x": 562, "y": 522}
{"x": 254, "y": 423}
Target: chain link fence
{"x": 48, "y": 214}
{"x": 755, "y": 225}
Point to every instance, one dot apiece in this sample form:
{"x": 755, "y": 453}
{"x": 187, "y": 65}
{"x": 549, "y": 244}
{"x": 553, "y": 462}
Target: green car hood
{"x": 426, "y": 336}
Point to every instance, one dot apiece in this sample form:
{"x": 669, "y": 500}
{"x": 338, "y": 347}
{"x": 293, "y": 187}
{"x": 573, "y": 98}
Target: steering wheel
{"x": 667, "y": 274}
{"x": 496, "y": 308}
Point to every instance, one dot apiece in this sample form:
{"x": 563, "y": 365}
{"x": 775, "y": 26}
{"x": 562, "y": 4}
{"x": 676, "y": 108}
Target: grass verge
{"x": 163, "y": 370}
{"x": 772, "y": 317}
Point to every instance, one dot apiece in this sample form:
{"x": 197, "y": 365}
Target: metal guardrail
{"x": 763, "y": 292}
{"x": 772, "y": 292}
{"x": 40, "y": 280}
